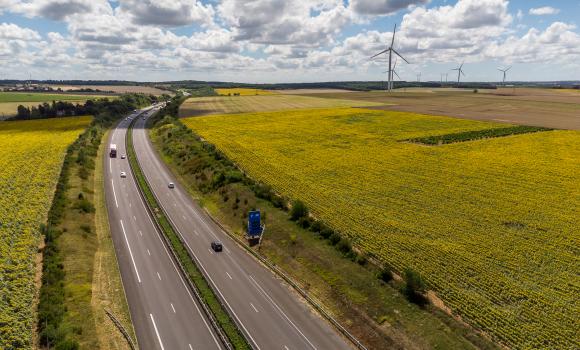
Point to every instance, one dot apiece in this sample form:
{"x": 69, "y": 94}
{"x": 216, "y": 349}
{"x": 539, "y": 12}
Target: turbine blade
{"x": 394, "y": 29}
{"x": 397, "y": 75}
{"x": 462, "y": 72}
{"x": 380, "y": 53}
{"x": 398, "y": 54}
{"x": 510, "y": 67}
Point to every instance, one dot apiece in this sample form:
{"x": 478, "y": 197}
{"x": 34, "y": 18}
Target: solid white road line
{"x": 282, "y": 312}
{"x": 173, "y": 308}
{"x": 114, "y": 194}
{"x": 130, "y": 252}
{"x": 253, "y": 307}
{"x": 156, "y": 332}
{"x": 229, "y": 275}
{"x": 110, "y": 166}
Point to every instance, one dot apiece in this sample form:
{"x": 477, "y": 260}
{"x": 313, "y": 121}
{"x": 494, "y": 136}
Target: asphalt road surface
{"x": 164, "y": 312}
{"x": 272, "y": 316}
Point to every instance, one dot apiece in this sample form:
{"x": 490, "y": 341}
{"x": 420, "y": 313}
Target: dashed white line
{"x": 282, "y": 312}
{"x": 190, "y": 348}
{"x": 173, "y": 308}
{"x": 140, "y": 233}
{"x": 148, "y": 252}
{"x": 184, "y": 218}
{"x": 110, "y": 166}
{"x": 253, "y": 307}
{"x": 158, "y": 275}
{"x": 196, "y": 233}
{"x": 286, "y": 348}
{"x": 210, "y": 251}
{"x": 156, "y": 332}
{"x": 134, "y": 218}
{"x": 129, "y": 204}
{"x": 114, "y": 194}
{"x": 130, "y": 252}
{"x": 229, "y": 275}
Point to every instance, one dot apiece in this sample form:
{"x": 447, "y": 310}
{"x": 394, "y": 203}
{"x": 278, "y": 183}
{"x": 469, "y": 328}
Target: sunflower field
{"x": 31, "y": 154}
{"x": 493, "y": 225}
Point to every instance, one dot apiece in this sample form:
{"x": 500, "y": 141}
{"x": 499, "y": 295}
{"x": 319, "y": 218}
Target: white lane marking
{"x": 190, "y": 348}
{"x": 174, "y": 204}
{"x": 286, "y": 348}
{"x": 229, "y": 275}
{"x": 130, "y": 251}
{"x": 210, "y": 251}
{"x": 158, "y": 275}
{"x": 196, "y": 233}
{"x": 282, "y": 312}
{"x": 148, "y": 252}
{"x": 222, "y": 296}
{"x": 253, "y": 307}
{"x": 158, "y": 234}
{"x": 110, "y": 166}
{"x": 173, "y": 308}
{"x": 157, "y": 332}
{"x": 140, "y": 233}
{"x": 114, "y": 194}
{"x": 129, "y": 204}
{"x": 184, "y": 218}
{"x": 227, "y": 251}
{"x": 134, "y": 218}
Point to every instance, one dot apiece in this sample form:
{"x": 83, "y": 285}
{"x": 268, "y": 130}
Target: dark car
{"x": 216, "y": 246}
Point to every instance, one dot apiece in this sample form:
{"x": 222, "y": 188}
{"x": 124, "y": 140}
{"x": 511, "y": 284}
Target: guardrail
{"x": 215, "y": 325}
{"x": 121, "y": 329}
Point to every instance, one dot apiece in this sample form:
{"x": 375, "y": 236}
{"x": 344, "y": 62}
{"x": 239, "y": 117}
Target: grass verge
{"x": 223, "y": 319}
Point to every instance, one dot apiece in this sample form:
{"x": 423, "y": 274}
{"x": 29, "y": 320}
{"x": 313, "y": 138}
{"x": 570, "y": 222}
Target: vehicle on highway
{"x": 171, "y": 185}
{"x": 216, "y": 246}
{"x": 123, "y": 156}
{"x": 123, "y": 174}
{"x": 113, "y": 151}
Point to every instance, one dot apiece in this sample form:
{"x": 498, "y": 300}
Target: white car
{"x": 123, "y": 174}
{"x": 171, "y": 185}
{"x": 123, "y": 156}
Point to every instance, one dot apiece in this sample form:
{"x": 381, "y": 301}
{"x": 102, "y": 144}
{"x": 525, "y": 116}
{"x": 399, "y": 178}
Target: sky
{"x": 273, "y": 41}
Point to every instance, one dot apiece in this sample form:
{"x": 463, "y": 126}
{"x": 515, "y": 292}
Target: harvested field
{"x": 536, "y": 107}
{"x": 243, "y": 104}
{"x": 244, "y": 92}
{"x": 312, "y": 91}
{"x": 9, "y": 101}
{"x": 118, "y": 89}
{"x": 490, "y": 224}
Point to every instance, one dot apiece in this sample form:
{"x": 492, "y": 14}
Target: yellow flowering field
{"x": 245, "y": 92}
{"x": 31, "y": 154}
{"x": 492, "y": 225}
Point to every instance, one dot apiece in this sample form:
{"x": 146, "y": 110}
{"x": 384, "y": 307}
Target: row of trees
{"x": 90, "y": 107}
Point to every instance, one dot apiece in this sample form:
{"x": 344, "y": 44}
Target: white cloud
{"x": 168, "y": 13}
{"x": 58, "y": 9}
{"x": 383, "y": 7}
{"x": 543, "y": 11}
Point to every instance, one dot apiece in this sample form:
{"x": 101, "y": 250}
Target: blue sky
{"x": 287, "y": 40}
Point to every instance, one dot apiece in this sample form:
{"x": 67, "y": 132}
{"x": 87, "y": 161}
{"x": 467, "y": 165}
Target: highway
{"x": 271, "y": 315}
{"x": 165, "y": 315}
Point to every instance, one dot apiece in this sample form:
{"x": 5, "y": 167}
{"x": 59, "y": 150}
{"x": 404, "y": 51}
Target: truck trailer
{"x": 113, "y": 151}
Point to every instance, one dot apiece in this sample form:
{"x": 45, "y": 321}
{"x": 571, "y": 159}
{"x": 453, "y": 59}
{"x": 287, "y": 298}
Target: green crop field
{"x": 260, "y": 103}
{"x": 31, "y": 154}
{"x": 491, "y": 224}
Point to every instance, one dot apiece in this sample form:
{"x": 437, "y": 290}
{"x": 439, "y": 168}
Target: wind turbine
{"x": 394, "y": 71}
{"x": 390, "y": 50}
{"x": 459, "y": 72}
{"x": 504, "y": 71}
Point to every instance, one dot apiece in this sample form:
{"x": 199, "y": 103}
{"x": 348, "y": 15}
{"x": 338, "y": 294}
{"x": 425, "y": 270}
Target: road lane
{"x": 164, "y": 313}
{"x": 272, "y": 316}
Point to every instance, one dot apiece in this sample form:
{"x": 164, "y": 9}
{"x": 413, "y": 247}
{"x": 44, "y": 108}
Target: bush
{"x": 304, "y": 222}
{"x": 326, "y": 232}
{"x": 316, "y": 226}
{"x": 85, "y": 206}
{"x": 385, "y": 275}
{"x": 334, "y": 238}
{"x": 415, "y": 288}
{"x": 344, "y": 246}
{"x": 361, "y": 260}
{"x": 299, "y": 210}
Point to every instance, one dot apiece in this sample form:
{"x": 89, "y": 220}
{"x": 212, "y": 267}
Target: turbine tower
{"x": 459, "y": 72}
{"x": 390, "y": 51}
{"x": 504, "y": 71}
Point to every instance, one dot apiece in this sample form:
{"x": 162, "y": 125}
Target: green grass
{"x": 42, "y": 97}
{"x": 477, "y": 135}
{"x": 209, "y": 298}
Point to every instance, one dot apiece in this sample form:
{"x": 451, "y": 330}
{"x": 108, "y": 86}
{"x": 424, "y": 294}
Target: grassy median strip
{"x": 223, "y": 319}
